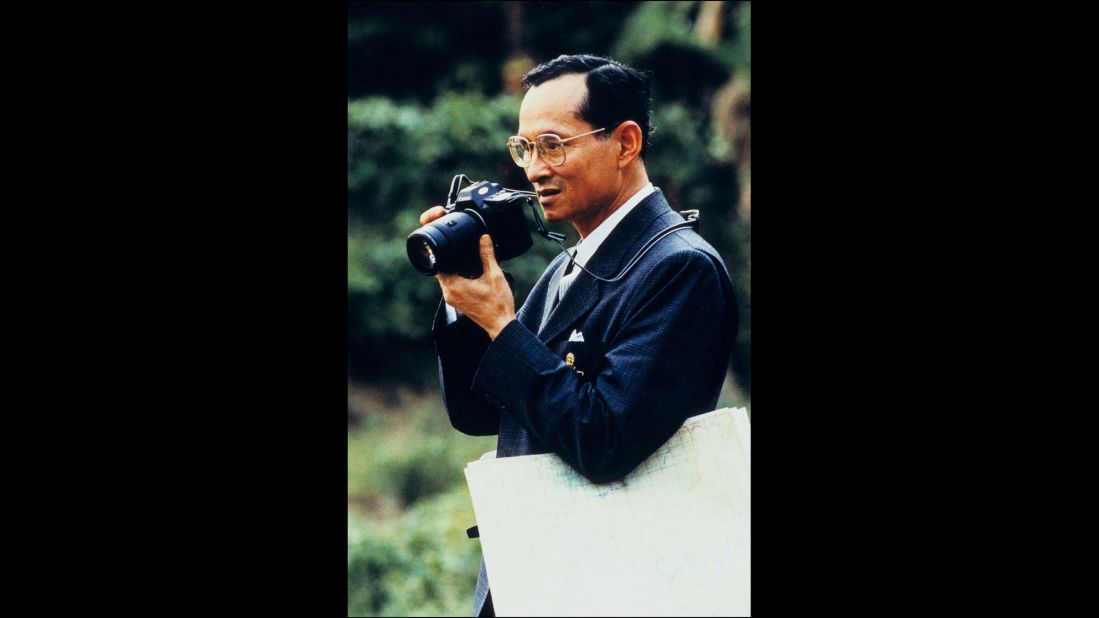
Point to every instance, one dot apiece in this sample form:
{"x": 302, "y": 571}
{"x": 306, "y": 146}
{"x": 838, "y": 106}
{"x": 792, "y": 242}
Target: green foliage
{"x": 402, "y": 156}
{"x": 406, "y": 450}
{"x": 422, "y": 565}
{"x": 737, "y": 52}
{"x": 651, "y": 24}
{"x": 407, "y": 550}
{"x": 407, "y": 466}
{"x": 657, "y": 25}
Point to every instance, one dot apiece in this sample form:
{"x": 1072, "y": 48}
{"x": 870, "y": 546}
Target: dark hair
{"x": 616, "y": 92}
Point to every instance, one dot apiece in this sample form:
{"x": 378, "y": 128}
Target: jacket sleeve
{"x": 461, "y": 346}
{"x": 664, "y": 361}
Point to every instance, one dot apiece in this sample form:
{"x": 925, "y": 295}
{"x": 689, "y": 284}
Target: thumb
{"x": 488, "y": 253}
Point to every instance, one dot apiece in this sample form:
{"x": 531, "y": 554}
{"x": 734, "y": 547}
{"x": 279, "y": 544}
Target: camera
{"x": 451, "y": 243}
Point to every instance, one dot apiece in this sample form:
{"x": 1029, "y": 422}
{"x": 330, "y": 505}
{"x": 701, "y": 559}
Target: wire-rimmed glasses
{"x": 550, "y": 147}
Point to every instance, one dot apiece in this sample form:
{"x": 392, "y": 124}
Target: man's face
{"x": 587, "y": 182}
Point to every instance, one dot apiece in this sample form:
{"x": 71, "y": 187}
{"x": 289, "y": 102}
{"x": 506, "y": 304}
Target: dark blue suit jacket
{"x": 656, "y": 350}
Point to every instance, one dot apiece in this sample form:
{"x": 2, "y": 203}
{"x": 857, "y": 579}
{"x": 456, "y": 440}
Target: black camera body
{"x": 451, "y": 243}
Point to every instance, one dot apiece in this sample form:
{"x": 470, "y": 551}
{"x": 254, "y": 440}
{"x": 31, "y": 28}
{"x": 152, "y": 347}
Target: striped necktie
{"x": 565, "y": 281}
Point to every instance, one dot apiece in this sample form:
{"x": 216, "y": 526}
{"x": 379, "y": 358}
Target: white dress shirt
{"x": 586, "y": 248}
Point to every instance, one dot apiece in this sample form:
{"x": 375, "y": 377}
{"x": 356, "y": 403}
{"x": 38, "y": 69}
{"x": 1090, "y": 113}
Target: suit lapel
{"x": 612, "y": 254}
{"x": 580, "y": 297}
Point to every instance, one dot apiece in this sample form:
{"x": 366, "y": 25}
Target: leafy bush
{"x": 407, "y": 551}
{"x": 407, "y": 451}
{"x": 422, "y": 565}
{"x": 400, "y": 469}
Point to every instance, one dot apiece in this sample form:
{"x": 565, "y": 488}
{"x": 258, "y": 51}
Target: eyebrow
{"x": 561, "y": 134}
{"x": 574, "y": 114}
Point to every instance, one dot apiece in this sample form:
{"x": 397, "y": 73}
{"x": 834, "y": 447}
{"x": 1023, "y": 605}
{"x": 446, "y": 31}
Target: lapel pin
{"x": 570, "y": 360}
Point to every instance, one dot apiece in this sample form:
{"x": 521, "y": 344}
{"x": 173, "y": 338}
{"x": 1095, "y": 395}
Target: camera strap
{"x": 691, "y": 221}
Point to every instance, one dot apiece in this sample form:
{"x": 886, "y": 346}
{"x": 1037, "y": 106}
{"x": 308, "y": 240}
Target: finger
{"x": 431, "y": 214}
{"x": 488, "y": 253}
{"x": 444, "y": 286}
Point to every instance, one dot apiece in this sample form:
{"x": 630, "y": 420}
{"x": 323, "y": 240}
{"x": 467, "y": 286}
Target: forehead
{"x": 552, "y": 107}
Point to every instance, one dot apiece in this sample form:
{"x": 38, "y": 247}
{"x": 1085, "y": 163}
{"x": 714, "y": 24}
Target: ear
{"x": 628, "y": 137}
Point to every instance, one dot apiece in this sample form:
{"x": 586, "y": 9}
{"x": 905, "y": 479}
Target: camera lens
{"x": 429, "y": 253}
{"x": 448, "y": 244}
{"x": 421, "y": 255}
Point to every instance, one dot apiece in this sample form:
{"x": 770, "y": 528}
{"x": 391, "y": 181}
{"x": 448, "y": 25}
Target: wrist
{"x": 499, "y": 328}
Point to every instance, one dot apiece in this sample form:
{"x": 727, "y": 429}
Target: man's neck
{"x": 634, "y": 183}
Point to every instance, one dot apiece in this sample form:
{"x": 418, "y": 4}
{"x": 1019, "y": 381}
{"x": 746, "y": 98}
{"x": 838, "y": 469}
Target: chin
{"x": 552, "y": 216}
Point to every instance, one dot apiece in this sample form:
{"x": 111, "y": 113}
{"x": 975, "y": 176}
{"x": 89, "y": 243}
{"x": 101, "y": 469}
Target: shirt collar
{"x": 587, "y": 247}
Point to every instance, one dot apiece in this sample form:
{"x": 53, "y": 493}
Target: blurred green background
{"x": 433, "y": 91}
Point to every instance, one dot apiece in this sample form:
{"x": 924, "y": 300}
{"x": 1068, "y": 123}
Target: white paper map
{"x": 672, "y": 538}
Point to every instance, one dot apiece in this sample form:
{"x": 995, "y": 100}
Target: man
{"x": 600, "y": 373}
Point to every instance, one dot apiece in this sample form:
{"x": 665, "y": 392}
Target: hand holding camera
{"x": 455, "y": 245}
{"x": 488, "y": 299}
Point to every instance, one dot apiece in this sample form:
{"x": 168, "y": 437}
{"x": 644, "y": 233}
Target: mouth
{"x": 546, "y": 196}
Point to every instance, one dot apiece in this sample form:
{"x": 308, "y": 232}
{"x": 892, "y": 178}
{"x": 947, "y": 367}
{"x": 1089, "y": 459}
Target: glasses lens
{"x": 517, "y": 146}
{"x": 551, "y": 149}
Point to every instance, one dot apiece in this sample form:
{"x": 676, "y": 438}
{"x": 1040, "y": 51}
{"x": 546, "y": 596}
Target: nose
{"x": 537, "y": 170}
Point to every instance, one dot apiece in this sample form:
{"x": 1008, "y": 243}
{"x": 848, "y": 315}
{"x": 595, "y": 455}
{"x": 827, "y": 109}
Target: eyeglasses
{"x": 550, "y": 147}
